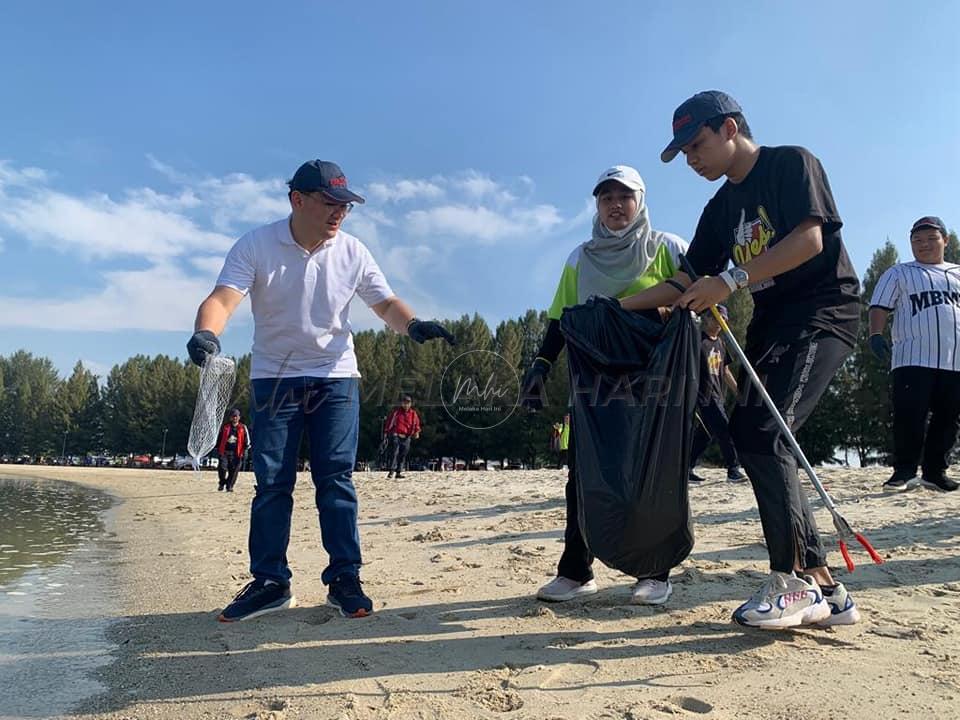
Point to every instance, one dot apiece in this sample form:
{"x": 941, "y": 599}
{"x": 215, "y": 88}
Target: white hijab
{"x": 611, "y": 260}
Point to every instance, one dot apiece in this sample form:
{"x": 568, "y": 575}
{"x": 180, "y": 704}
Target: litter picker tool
{"x": 844, "y": 531}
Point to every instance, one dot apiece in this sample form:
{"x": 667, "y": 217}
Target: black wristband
{"x": 675, "y": 284}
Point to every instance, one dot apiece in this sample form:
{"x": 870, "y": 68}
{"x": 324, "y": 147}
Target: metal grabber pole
{"x": 844, "y": 531}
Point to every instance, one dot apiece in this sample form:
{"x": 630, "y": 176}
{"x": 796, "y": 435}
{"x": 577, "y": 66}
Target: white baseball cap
{"x": 623, "y": 174}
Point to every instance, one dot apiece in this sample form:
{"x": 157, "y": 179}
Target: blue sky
{"x": 138, "y": 141}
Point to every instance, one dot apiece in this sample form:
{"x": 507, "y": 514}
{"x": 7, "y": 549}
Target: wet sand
{"x": 452, "y": 563}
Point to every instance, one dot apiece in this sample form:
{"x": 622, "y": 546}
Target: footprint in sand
{"x": 492, "y": 690}
{"x": 682, "y": 705}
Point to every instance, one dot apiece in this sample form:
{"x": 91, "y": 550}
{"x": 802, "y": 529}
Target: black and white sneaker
{"x": 939, "y": 482}
{"x": 901, "y": 480}
{"x": 694, "y": 479}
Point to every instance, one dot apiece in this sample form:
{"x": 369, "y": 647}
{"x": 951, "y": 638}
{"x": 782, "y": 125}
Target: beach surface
{"x": 452, "y": 562}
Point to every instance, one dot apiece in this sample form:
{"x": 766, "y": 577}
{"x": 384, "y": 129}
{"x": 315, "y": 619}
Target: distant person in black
{"x": 711, "y": 420}
{"x": 775, "y": 219}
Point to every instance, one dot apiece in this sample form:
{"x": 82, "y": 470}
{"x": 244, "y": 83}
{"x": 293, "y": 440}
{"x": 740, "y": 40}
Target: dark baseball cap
{"x": 235, "y": 413}
{"x": 325, "y": 177}
{"x": 929, "y": 221}
{"x": 692, "y": 114}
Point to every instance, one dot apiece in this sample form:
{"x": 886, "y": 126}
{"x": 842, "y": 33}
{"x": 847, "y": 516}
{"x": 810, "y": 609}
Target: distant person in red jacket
{"x": 234, "y": 442}
{"x": 402, "y": 426}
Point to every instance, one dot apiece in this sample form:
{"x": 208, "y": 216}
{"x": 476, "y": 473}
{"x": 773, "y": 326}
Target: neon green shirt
{"x": 664, "y": 265}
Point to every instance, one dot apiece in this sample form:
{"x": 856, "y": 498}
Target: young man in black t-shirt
{"x": 712, "y": 421}
{"x": 776, "y": 220}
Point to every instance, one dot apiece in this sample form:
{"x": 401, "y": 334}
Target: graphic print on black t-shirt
{"x": 785, "y": 187}
{"x": 752, "y": 237}
{"x": 713, "y": 359}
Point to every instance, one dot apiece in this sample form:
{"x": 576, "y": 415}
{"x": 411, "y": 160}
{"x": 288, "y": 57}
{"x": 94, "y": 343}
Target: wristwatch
{"x": 736, "y": 278}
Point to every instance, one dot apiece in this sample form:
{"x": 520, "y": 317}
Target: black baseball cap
{"x": 235, "y": 412}
{"x": 692, "y": 114}
{"x": 929, "y": 221}
{"x": 326, "y": 177}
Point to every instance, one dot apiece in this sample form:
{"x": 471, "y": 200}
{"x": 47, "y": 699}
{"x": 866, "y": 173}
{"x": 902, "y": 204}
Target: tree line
{"x": 145, "y": 405}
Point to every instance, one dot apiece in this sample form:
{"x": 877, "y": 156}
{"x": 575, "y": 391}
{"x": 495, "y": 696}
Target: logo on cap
{"x": 338, "y": 181}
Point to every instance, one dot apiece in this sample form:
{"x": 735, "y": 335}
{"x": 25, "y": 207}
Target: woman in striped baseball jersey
{"x": 924, "y": 297}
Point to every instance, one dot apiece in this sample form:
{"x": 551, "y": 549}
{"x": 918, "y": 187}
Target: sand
{"x": 452, "y": 561}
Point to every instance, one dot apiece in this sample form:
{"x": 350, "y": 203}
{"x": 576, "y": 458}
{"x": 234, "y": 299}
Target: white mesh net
{"x": 216, "y": 385}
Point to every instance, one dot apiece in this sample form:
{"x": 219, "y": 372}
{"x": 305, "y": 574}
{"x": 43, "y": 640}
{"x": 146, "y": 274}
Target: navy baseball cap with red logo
{"x": 325, "y": 177}
{"x": 692, "y": 114}
{"x": 929, "y": 221}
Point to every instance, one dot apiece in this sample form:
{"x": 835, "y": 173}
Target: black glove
{"x": 880, "y": 347}
{"x": 532, "y": 391}
{"x": 422, "y": 330}
{"x": 203, "y": 344}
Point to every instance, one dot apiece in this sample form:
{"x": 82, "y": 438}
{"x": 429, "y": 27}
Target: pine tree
{"x": 872, "y": 418}
{"x": 952, "y": 251}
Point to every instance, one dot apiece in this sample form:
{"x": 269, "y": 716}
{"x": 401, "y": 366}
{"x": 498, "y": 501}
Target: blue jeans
{"x": 329, "y": 410}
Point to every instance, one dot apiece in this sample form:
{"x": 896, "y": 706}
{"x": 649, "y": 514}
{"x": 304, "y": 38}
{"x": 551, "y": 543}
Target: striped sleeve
{"x": 887, "y": 292}
{"x": 566, "y": 295}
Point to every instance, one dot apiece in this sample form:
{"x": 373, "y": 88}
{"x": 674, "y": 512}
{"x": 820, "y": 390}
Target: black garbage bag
{"x": 634, "y": 386}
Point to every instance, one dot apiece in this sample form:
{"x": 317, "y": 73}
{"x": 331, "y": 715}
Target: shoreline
{"x": 452, "y": 561}
{"x": 63, "y": 644}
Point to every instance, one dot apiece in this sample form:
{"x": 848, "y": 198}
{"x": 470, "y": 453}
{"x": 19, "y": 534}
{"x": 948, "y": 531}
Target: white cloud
{"x": 404, "y": 190}
{"x": 24, "y": 177}
{"x": 481, "y": 223}
{"x": 585, "y": 216}
{"x": 209, "y": 266}
{"x": 182, "y": 228}
{"x": 101, "y": 370}
{"x": 477, "y": 186}
{"x": 160, "y": 298}
{"x": 100, "y": 227}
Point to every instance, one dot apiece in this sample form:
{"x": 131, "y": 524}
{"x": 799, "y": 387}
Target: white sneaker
{"x": 651, "y": 592}
{"x": 561, "y": 589}
{"x": 783, "y": 601}
{"x": 843, "y": 611}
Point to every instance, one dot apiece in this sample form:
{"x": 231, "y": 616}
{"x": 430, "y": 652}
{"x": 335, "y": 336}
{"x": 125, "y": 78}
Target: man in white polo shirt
{"x": 301, "y": 274}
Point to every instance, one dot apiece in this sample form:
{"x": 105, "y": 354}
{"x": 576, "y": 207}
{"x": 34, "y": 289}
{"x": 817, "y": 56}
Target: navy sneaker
{"x": 735, "y": 474}
{"x": 348, "y": 597}
{"x": 258, "y": 597}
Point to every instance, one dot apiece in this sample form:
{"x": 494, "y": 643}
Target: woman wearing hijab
{"x": 624, "y": 255}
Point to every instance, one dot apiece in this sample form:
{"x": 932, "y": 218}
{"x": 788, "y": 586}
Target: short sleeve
{"x": 804, "y": 191}
{"x": 887, "y": 292}
{"x": 675, "y": 247}
{"x": 708, "y": 254}
{"x": 566, "y": 294}
{"x": 239, "y": 268}
{"x": 373, "y": 287}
